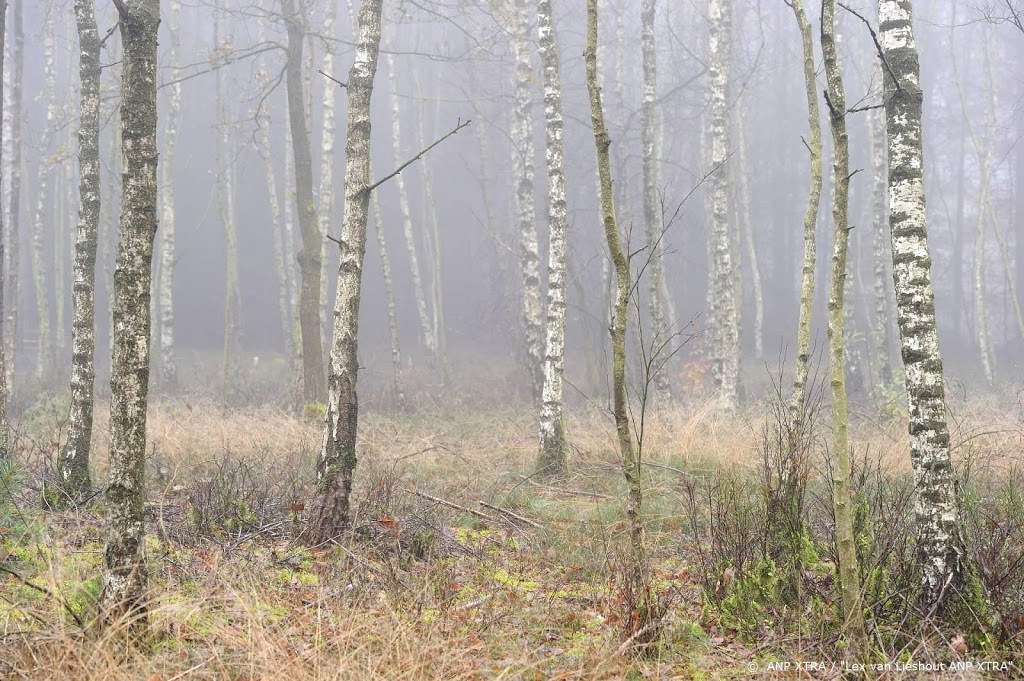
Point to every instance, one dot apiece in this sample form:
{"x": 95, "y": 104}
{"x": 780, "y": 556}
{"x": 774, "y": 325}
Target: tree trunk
{"x": 725, "y": 341}
{"x": 881, "y": 256}
{"x": 846, "y": 546}
{"x": 313, "y": 374}
{"x": 168, "y": 377}
{"x": 17, "y": 163}
{"x": 325, "y": 193}
{"x": 5, "y": 426}
{"x": 426, "y": 330}
{"x": 397, "y": 384}
{"x": 552, "y": 457}
{"x": 803, "y": 334}
{"x": 746, "y": 233}
{"x": 224, "y": 191}
{"x": 522, "y": 150}
{"x": 940, "y": 544}
{"x": 73, "y": 465}
{"x": 39, "y": 275}
{"x": 124, "y": 578}
{"x": 630, "y": 462}
{"x": 655, "y": 229}
{"x": 337, "y": 462}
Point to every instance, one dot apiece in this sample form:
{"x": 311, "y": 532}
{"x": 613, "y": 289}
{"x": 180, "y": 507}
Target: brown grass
{"x": 488, "y": 600}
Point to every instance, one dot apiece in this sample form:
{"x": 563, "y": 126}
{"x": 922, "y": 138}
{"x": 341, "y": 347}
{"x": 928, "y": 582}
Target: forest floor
{"x": 524, "y": 581}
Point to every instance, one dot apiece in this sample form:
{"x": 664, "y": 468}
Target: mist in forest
{"x": 442, "y": 63}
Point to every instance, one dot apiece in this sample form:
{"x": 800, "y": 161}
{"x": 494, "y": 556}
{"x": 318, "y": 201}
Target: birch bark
{"x": 523, "y": 159}
{"x": 17, "y": 163}
{"x": 125, "y": 575}
{"x": 552, "y": 456}
{"x": 73, "y": 464}
{"x": 426, "y": 329}
{"x": 652, "y": 203}
{"x": 725, "y": 341}
{"x": 940, "y": 544}
{"x": 167, "y": 360}
{"x": 337, "y": 462}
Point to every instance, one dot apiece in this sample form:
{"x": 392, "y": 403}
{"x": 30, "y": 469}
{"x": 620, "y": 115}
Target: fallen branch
{"x": 46, "y": 592}
{"x": 475, "y": 604}
{"x": 450, "y": 504}
{"x": 576, "y": 492}
{"x": 512, "y": 515}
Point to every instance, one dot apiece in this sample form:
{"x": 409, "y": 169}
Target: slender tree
{"x": 849, "y": 573}
{"x": 124, "y": 575}
{"x": 17, "y": 163}
{"x": 522, "y": 150}
{"x": 630, "y": 462}
{"x": 939, "y": 541}
{"x": 43, "y": 209}
{"x": 313, "y": 373}
{"x": 73, "y": 463}
{"x": 337, "y": 462}
{"x": 652, "y": 203}
{"x": 803, "y": 334}
{"x": 879, "y": 243}
{"x": 552, "y": 457}
{"x": 4, "y": 391}
{"x": 325, "y": 192}
{"x": 725, "y": 341}
{"x": 167, "y": 362}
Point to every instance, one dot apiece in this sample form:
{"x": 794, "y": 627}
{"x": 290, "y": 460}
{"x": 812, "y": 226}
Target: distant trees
{"x": 124, "y": 565}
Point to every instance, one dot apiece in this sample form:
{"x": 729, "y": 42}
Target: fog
{"x": 453, "y": 61}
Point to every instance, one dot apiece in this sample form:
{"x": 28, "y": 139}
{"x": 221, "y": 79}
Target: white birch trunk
{"x": 124, "y": 576}
{"x": 523, "y": 159}
{"x": 940, "y": 544}
{"x": 397, "y": 383}
{"x": 552, "y": 455}
{"x": 17, "y": 173}
{"x": 725, "y": 342}
{"x": 426, "y": 329}
{"x": 4, "y": 385}
{"x": 73, "y": 463}
{"x": 325, "y": 193}
{"x": 337, "y": 462}
{"x": 225, "y": 198}
{"x": 168, "y": 376}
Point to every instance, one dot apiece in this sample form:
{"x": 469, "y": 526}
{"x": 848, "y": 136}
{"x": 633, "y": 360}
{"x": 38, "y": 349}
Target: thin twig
{"x": 109, "y": 33}
{"x": 878, "y": 45}
{"x": 43, "y": 590}
{"x": 459, "y": 125}
{"x": 510, "y": 514}
{"x": 450, "y": 504}
{"x": 576, "y": 492}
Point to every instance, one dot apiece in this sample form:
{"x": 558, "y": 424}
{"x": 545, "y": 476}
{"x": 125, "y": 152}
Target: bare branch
{"x": 878, "y": 45}
{"x": 459, "y": 125}
{"x": 330, "y": 77}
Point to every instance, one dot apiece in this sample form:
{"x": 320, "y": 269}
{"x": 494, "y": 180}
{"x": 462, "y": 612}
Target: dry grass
{"x": 423, "y": 591}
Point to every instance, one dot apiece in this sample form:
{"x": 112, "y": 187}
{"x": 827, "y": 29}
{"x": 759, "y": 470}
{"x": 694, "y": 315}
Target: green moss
{"x": 314, "y": 412}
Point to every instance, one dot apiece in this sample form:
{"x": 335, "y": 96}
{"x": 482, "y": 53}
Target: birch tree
{"x": 522, "y": 150}
{"x": 167, "y": 362}
{"x": 124, "y": 574}
{"x": 313, "y": 373}
{"x": 939, "y": 541}
{"x": 337, "y": 461}
{"x": 846, "y": 547}
{"x": 803, "y": 334}
{"x": 620, "y": 409}
{"x": 552, "y": 455}
{"x": 43, "y": 199}
{"x": 73, "y": 463}
{"x": 5, "y": 428}
{"x": 725, "y": 339}
{"x": 881, "y": 256}
{"x": 325, "y": 192}
{"x": 17, "y": 161}
{"x": 652, "y": 204}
